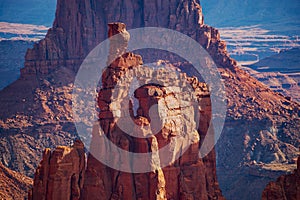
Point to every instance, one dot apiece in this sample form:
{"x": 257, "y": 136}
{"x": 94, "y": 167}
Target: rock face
{"x": 185, "y": 177}
{"x": 60, "y": 173}
{"x": 262, "y": 126}
{"x": 80, "y": 26}
{"x": 13, "y": 184}
{"x": 285, "y": 187}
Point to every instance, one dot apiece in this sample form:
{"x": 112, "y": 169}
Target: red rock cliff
{"x": 80, "y": 25}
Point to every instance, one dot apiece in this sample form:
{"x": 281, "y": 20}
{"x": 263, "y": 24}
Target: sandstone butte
{"x": 261, "y": 128}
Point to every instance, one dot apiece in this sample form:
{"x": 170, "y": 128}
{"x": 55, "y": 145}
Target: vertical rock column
{"x": 60, "y": 174}
{"x": 118, "y": 40}
{"x": 103, "y": 182}
{"x": 184, "y": 178}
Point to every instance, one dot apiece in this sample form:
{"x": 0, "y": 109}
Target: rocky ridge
{"x": 261, "y": 127}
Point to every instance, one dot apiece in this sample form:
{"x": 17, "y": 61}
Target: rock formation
{"x": 60, "y": 173}
{"x": 80, "y": 26}
{"x": 285, "y": 187}
{"x": 261, "y": 127}
{"x": 186, "y": 177}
